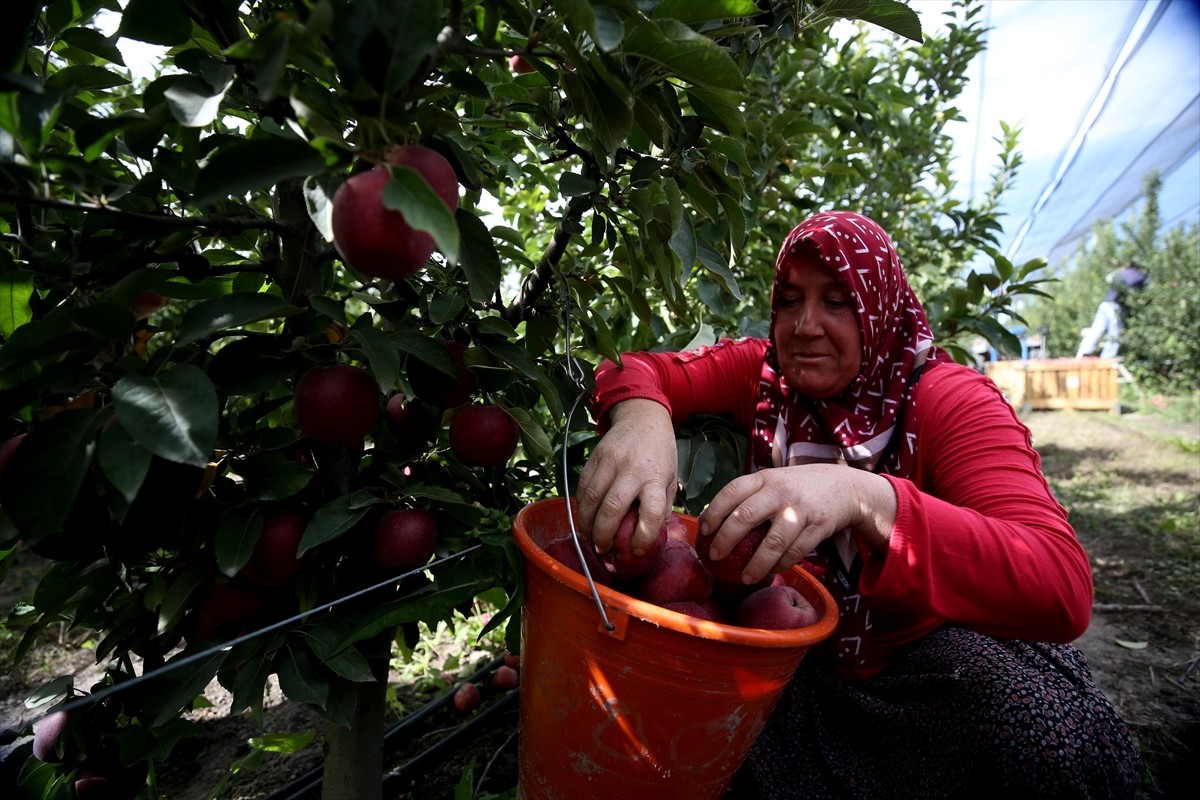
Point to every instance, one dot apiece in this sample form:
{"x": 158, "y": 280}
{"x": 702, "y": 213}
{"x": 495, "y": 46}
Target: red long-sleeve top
{"x": 979, "y": 539}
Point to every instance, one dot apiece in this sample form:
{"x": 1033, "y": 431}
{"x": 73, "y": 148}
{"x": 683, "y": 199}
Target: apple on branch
{"x": 336, "y": 404}
{"x": 376, "y": 241}
{"x": 483, "y": 435}
{"x": 274, "y": 561}
{"x": 434, "y": 386}
{"x": 405, "y": 538}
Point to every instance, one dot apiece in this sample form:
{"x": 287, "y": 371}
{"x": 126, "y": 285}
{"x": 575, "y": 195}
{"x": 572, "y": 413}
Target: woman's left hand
{"x": 806, "y": 505}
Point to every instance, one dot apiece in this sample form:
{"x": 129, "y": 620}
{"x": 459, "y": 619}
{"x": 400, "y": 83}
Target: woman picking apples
{"x": 907, "y": 484}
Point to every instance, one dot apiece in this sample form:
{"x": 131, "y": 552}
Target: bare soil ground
{"x": 1131, "y": 483}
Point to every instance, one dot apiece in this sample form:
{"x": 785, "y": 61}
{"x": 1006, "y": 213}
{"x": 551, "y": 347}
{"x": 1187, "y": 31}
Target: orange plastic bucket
{"x": 665, "y": 706}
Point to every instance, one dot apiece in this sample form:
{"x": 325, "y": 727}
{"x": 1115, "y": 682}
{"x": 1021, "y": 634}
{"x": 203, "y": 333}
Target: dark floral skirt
{"x": 960, "y": 715}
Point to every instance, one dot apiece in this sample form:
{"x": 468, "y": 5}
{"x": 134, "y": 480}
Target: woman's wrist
{"x": 877, "y": 508}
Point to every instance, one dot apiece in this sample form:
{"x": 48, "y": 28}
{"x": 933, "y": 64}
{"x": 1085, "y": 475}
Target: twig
{"x": 1145, "y": 595}
{"x": 537, "y": 281}
{"x": 1126, "y": 607}
{"x": 1187, "y": 673}
{"x": 492, "y": 760}
{"x": 234, "y": 223}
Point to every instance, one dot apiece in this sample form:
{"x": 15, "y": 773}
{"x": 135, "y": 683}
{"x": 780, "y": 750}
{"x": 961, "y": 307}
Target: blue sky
{"x": 1103, "y": 91}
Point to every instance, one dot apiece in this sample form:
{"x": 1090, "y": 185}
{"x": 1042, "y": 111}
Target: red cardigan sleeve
{"x": 979, "y": 538}
{"x": 719, "y": 379}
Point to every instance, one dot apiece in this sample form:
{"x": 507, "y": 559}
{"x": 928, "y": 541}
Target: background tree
{"x": 169, "y": 283}
{"x": 1160, "y": 343}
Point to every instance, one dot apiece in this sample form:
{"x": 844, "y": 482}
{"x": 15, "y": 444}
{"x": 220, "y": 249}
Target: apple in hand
{"x": 563, "y": 551}
{"x": 336, "y": 404}
{"x": 376, "y": 241}
{"x": 434, "y": 386}
{"x": 627, "y": 564}
{"x": 467, "y": 698}
{"x": 483, "y": 435}
{"x": 776, "y": 608}
{"x": 405, "y": 538}
{"x": 730, "y": 568}
{"x": 274, "y": 561}
{"x": 678, "y": 575}
{"x": 676, "y": 527}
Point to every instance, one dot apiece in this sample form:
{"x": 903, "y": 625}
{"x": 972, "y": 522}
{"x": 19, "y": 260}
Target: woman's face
{"x": 816, "y": 329}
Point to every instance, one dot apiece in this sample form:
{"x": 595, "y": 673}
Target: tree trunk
{"x": 354, "y": 755}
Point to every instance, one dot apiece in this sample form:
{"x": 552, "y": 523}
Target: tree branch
{"x": 536, "y": 282}
{"x": 211, "y": 221}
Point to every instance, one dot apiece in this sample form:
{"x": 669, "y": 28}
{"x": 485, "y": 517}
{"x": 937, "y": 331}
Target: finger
{"x": 654, "y": 504}
{"x": 724, "y": 502}
{"x": 788, "y": 541}
{"x": 593, "y": 486}
{"x": 611, "y": 510}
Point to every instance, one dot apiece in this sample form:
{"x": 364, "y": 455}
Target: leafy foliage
{"x": 169, "y": 274}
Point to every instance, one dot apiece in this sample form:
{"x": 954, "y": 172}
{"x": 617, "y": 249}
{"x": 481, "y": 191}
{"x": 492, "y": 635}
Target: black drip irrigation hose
{"x": 308, "y": 785}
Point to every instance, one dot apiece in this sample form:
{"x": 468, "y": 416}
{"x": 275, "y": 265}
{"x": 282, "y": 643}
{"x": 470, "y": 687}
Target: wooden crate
{"x": 1086, "y": 384}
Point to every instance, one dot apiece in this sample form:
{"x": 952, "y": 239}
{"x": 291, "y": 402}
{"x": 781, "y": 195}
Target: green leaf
{"x": 537, "y": 443}
{"x": 683, "y": 235}
{"x": 423, "y": 210}
{"x": 609, "y": 28}
{"x": 176, "y": 691}
{"x": 245, "y": 166}
{"x": 155, "y": 22}
{"x": 82, "y": 78}
{"x": 43, "y": 478}
{"x": 572, "y": 185}
{"x": 891, "y": 14}
{"x": 445, "y": 307}
{"x": 691, "y": 56}
{"x": 175, "y": 601}
{"x": 703, "y": 10}
{"x": 335, "y": 518}
{"x": 124, "y": 462}
{"x": 16, "y": 289}
{"x": 229, "y": 313}
{"x": 382, "y": 351}
{"x": 237, "y": 534}
{"x": 173, "y": 415}
{"x": 93, "y": 41}
{"x": 272, "y": 476}
{"x": 479, "y": 260}
{"x": 192, "y": 100}
{"x": 301, "y": 680}
{"x": 715, "y": 263}
{"x": 286, "y": 743}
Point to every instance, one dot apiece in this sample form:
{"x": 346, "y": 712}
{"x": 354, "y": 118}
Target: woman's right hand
{"x": 634, "y": 461}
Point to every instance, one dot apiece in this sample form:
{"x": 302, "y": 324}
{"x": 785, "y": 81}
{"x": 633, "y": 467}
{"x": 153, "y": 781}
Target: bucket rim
{"x": 657, "y": 615}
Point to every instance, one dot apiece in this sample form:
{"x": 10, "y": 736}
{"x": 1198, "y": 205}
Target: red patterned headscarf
{"x": 857, "y": 426}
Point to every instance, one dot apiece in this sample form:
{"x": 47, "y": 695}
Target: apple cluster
{"x": 676, "y": 575}
{"x": 468, "y": 696}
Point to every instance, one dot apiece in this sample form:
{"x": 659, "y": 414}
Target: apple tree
{"x": 247, "y": 301}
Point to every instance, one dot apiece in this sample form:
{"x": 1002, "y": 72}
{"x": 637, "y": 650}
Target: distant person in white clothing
{"x": 1106, "y": 327}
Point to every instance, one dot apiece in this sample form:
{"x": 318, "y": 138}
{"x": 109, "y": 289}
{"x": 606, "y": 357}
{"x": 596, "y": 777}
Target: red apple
{"x": 93, "y": 786}
{"x": 676, "y": 527}
{"x": 520, "y": 66}
{"x": 46, "y": 735}
{"x": 678, "y": 575}
{"x": 434, "y": 386}
{"x": 226, "y": 605}
{"x": 625, "y": 563}
{"x": 563, "y": 551}
{"x": 148, "y": 303}
{"x": 511, "y": 660}
{"x": 467, "y": 698}
{"x": 730, "y": 568}
{"x": 483, "y": 436}
{"x": 505, "y": 677}
{"x": 776, "y": 608}
{"x": 376, "y": 241}
{"x": 405, "y": 538}
{"x": 337, "y": 404}
{"x": 274, "y": 561}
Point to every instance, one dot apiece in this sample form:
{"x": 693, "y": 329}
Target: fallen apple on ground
{"x": 467, "y": 698}
{"x": 505, "y": 677}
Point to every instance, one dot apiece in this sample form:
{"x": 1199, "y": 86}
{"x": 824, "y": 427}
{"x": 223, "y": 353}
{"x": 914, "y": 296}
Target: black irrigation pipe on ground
{"x": 449, "y": 741}
{"x": 309, "y": 784}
